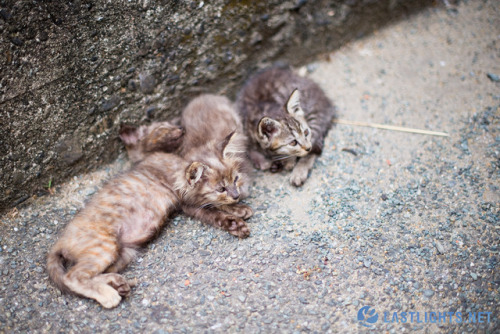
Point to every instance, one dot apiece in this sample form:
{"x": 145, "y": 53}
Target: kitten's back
{"x": 268, "y": 91}
{"x": 209, "y": 118}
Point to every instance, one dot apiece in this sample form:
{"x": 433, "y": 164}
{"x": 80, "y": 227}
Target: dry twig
{"x": 391, "y": 127}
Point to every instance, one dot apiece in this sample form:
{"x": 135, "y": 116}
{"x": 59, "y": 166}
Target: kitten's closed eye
{"x": 221, "y": 189}
{"x": 306, "y": 133}
{"x": 293, "y": 143}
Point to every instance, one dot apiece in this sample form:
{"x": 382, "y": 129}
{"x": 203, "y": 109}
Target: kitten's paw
{"x": 262, "y": 165}
{"x": 236, "y": 226}
{"x": 119, "y": 283}
{"x": 239, "y": 210}
{"x": 259, "y": 161}
{"x": 276, "y": 167}
{"x": 298, "y": 177}
{"x": 289, "y": 163}
{"x": 108, "y": 297}
{"x": 243, "y": 211}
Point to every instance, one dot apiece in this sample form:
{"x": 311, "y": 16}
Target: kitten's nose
{"x": 233, "y": 193}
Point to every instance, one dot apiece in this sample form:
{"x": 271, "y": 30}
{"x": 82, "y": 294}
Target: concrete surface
{"x": 399, "y": 222}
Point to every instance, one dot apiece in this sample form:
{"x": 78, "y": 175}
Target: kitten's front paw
{"x": 236, "y": 226}
{"x": 289, "y": 163}
{"x": 238, "y": 210}
{"x": 262, "y": 165}
{"x": 298, "y": 177}
{"x": 276, "y": 167}
{"x": 259, "y": 161}
{"x": 242, "y": 211}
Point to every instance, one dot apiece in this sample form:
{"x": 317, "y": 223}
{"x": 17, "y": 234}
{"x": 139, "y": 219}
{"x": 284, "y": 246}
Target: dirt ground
{"x": 407, "y": 224}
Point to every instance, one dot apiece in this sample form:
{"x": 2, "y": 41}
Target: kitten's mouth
{"x": 303, "y": 153}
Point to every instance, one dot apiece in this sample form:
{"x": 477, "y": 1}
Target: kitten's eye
{"x": 306, "y": 133}
{"x": 236, "y": 178}
{"x": 293, "y": 143}
{"x": 221, "y": 189}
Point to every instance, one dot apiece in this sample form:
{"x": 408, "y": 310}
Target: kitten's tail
{"x": 55, "y": 267}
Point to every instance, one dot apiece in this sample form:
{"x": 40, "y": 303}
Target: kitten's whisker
{"x": 202, "y": 207}
{"x": 279, "y": 157}
{"x": 206, "y": 206}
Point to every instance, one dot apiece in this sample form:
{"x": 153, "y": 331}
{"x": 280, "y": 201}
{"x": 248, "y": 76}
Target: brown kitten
{"x": 156, "y": 137}
{"x": 128, "y": 212}
{"x": 286, "y": 118}
{"x": 214, "y": 136}
{"x": 209, "y": 121}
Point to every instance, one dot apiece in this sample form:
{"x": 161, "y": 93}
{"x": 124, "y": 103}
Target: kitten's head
{"x": 157, "y": 137}
{"x": 287, "y": 136}
{"x": 215, "y": 178}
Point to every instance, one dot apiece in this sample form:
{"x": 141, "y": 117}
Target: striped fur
{"x": 128, "y": 212}
{"x": 213, "y": 136}
{"x": 286, "y": 118}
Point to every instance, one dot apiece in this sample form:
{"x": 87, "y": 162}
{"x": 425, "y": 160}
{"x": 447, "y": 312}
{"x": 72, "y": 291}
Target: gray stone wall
{"x": 72, "y": 71}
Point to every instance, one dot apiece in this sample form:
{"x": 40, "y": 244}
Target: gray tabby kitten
{"x": 286, "y": 118}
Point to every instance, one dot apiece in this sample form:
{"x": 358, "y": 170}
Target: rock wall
{"x": 72, "y": 71}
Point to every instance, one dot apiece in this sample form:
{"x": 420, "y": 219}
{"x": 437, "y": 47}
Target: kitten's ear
{"x": 194, "y": 172}
{"x": 268, "y": 127}
{"x": 229, "y": 145}
{"x": 293, "y": 104}
{"x": 128, "y": 134}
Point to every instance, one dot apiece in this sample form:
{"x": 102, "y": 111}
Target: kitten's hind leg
{"x": 234, "y": 225}
{"x": 127, "y": 254}
{"x": 117, "y": 281}
{"x": 238, "y": 210}
{"x": 81, "y": 279}
{"x": 301, "y": 170}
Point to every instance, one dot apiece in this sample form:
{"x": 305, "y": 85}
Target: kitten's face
{"x": 221, "y": 187}
{"x": 157, "y": 137}
{"x": 217, "y": 180}
{"x": 289, "y": 136}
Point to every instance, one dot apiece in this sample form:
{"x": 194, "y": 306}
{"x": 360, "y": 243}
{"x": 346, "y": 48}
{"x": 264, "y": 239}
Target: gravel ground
{"x": 400, "y": 222}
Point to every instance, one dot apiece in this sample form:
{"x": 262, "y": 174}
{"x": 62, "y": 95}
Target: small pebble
{"x": 439, "y": 247}
{"x": 428, "y": 293}
{"x": 493, "y": 77}
{"x": 147, "y": 83}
